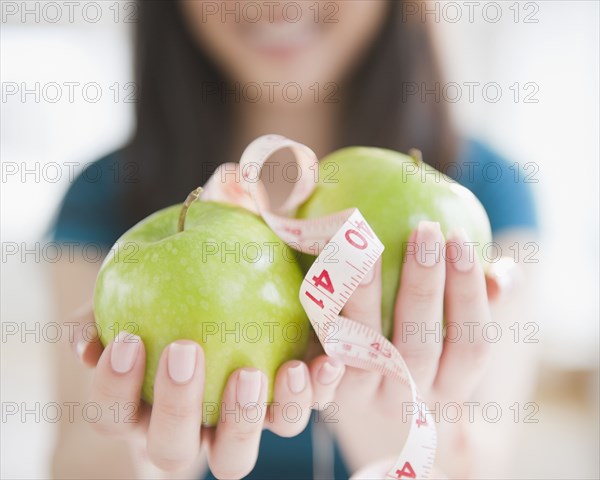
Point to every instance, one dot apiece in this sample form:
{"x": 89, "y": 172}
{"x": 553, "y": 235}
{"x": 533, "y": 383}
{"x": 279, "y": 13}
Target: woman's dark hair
{"x": 182, "y": 134}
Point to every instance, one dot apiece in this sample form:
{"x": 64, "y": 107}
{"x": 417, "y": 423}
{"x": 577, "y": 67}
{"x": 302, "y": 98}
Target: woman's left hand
{"x": 374, "y": 412}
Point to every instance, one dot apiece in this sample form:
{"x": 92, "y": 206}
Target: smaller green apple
{"x": 394, "y": 192}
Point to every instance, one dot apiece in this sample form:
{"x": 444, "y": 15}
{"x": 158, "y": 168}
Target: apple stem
{"x": 416, "y": 155}
{"x": 191, "y": 198}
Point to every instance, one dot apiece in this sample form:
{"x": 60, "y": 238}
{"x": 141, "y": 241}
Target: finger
{"x": 419, "y": 305}
{"x": 85, "y": 340}
{"x": 364, "y": 306}
{"x": 289, "y": 413}
{"x": 326, "y": 373}
{"x": 117, "y": 384}
{"x": 174, "y": 432}
{"x": 234, "y": 450}
{"x": 467, "y": 314}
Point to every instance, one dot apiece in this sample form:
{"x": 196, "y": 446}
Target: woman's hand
{"x": 375, "y": 411}
{"x": 171, "y": 427}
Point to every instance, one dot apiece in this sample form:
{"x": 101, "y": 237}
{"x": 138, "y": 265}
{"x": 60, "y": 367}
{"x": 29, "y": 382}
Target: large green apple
{"x": 394, "y": 192}
{"x": 226, "y": 281}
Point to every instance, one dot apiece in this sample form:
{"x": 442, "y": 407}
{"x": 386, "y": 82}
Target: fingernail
{"x": 464, "y": 259}
{"x": 428, "y": 243}
{"x": 124, "y": 352}
{"x": 248, "y": 387}
{"x": 181, "y": 361}
{"x": 80, "y": 348}
{"x": 329, "y": 372}
{"x": 505, "y": 283}
{"x": 505, "y": 273}
{"x": 369, "y": 276}
{"x": 297, "y": 378}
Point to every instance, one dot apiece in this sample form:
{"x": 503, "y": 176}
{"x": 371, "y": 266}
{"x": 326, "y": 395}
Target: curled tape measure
{"x": 330, "y": 282}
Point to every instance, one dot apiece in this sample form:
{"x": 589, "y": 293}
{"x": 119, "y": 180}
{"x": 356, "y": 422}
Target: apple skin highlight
{"x": 226, "y": 282}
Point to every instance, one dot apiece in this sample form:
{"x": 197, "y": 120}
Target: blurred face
{"x": 274, "y": 43}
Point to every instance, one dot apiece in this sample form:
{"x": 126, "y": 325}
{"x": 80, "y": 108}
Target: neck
{"x": 312, "y": 124}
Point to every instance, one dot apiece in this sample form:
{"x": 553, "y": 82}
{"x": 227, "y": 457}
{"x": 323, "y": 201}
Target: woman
{"x": 211, "y": 79}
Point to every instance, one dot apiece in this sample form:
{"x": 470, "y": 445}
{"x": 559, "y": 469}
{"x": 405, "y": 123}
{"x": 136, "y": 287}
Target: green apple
{"x": 394, "y": 192}
{"x": 225, "y": 281}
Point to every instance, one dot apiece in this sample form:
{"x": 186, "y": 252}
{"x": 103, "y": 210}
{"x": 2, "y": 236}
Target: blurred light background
{"x": 558, "y": 55}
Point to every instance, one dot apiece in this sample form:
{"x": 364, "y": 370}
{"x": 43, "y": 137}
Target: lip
{"x": 280, "y": 38}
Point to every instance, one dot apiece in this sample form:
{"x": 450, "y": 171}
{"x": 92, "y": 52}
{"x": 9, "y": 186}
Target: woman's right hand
{"x": 171, "y": 427}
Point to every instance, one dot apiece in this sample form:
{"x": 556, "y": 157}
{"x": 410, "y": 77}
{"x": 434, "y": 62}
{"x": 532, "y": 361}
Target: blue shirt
{"x": 91, "y": 212}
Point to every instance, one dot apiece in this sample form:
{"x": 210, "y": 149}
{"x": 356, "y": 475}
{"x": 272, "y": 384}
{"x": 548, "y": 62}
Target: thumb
{"x": 225, "y": 186}
{"x": 364, "y": 305}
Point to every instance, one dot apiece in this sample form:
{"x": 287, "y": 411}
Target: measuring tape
{"x": 330, "y": 281}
